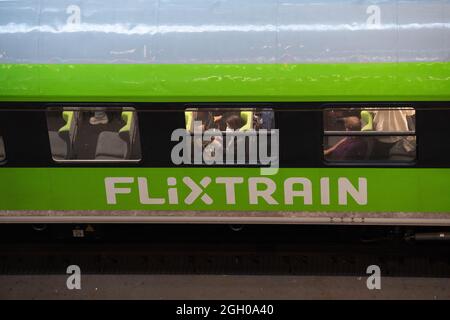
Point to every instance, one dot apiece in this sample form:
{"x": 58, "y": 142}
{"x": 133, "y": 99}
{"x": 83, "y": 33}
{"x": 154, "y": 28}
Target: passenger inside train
{"x": 396, "y": 140}
{"x": 233, "y": 123}
{"x": 226, "y": 121}
{"x": 393, "y": 120}
{"x": 242, "y": 119}
{"x": 350, "y": 134}
{"x": 348, "y": 148}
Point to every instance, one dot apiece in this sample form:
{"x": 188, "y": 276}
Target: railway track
{"x": 218, "y": 250}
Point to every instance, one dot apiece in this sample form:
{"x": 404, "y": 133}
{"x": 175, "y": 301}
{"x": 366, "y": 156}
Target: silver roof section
{"x": 224, "y": 31}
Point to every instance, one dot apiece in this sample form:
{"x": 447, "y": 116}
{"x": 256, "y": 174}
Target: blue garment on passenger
{"x": 267, "y": 119}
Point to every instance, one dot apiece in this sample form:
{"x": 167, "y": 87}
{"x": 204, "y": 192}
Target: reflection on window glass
{"x": 236, "y": 135}
{"x": 370, "y": 134}
{"x": 2, "y": 149}
{"x": 100, "y": 134}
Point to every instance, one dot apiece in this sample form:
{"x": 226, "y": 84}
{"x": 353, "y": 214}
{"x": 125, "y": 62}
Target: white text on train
{"x": 258, "y": 190}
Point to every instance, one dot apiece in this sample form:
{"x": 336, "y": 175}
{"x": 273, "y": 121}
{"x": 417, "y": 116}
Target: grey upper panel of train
{"x": 223, "y": 31}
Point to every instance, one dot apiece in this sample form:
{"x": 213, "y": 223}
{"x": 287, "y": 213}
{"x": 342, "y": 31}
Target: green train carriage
{"x": 91, "y": 103}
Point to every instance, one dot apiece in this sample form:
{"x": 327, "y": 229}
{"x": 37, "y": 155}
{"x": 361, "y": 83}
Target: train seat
{"x": 62, "y": 140}
{"x": 189, "y": 116}
{"x": 117, "y": 145}
{"x": 247, "y": 117}
{"x": 367, "y": 121}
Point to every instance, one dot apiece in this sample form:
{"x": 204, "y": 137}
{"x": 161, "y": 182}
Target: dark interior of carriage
{"x": 2, "y": 149}
{"x": 76, "y": 135}
{"x": 50, "y": 136}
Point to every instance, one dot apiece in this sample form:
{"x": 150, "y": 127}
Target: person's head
{"x": 202, "y": 116}
{"x": 234, "y": 122}
{"x": 352, "y": 124}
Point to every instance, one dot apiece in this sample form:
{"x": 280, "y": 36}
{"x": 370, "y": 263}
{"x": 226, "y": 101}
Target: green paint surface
{"x": 225, "y": 82}
{"x": 389, "y": 190}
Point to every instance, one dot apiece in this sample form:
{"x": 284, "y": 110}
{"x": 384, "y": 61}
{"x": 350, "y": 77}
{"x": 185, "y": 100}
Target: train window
{"x": 101, "y": 135}
{"x": 369, "y": 134}
{"x": 2, "y": 150}
{"x": 232, "y": 136}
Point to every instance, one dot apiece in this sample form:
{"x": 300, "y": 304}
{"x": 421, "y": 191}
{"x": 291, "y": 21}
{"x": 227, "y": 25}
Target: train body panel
{"x": 388, "y": 196}
{"x": 204, "y": 50}
{"x": 296, "y": 189}
{"x": 63, "y": 62}
{"x": 189, "y": 83}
